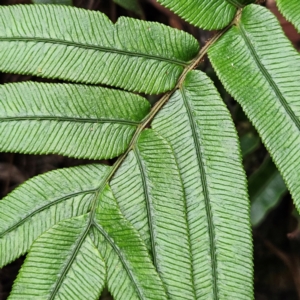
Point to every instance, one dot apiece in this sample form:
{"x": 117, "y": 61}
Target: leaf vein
{"x": 44, "y": 207}
{"x": 93, "y": 47}
{"x": 148, "y": 204}
{"x": 117, "y": 251}
{"x": 269, "y": 79}
{"x": 211, "y": 230}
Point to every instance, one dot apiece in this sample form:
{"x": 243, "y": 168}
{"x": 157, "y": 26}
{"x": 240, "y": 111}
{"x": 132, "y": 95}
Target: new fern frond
{"x": 170, "y": 218}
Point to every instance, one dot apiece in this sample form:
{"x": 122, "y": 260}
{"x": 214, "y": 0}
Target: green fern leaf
{"x": 130, "y": 272}
{"x": 84, "y": 46}
{"x": 200, "y": 130}
{"x": 73, "y": 120}
{"x": 291, "y": 11}
{"x": 207, "y": 14}
{"x": 63, "y": 263}
{"x": 170, "y": 218}
{"x": 68, "y": 252}
{"x": 128, "y": 188}
{"x": 43, "y": 201}
{"x": 193, "y": 213}
{"x": 157, "y": 209}
{"x": 260, "y": 68}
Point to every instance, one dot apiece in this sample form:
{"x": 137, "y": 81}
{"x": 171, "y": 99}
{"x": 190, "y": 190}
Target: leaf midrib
{"x": 211, "y": 230}
{"x": 192, "y": 270}
{"x": 70, "y": 261}
{"x": 268, "y": 77}
{"x": 91, "y": 222}
{"x": 148, "y": 205}
{"x": 94, "y": 47}
{"x": 117, "y": 251}
{"x": 69, "y": 119}
{"x": 44, "y": 207}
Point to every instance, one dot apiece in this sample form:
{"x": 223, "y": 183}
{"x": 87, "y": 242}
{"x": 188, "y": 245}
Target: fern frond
{"x": 170, "y": 218}
{"x": 202, "y": 135}
{"x": 84, "y": 46}
{"x": 261, "y": 69}
{"x": 63, "y": 263}
{"x": 41, "y": 202}
{"x": 213, "y": 211}
{"x": 73, "y": 120}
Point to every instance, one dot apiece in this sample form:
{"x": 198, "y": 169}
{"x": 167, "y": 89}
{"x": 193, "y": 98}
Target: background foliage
{"x": 275, "y": 222}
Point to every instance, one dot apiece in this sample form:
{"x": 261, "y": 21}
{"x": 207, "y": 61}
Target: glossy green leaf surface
{"x": 84, "y": 46}
{"x": 73, "y": 120}
{"x": 199, "y": 128}
{"x": 291, "y": 11}
{"x": 207, "y": 14}
{"x": 261, "y": 69}
{"x": 266, "y": 189}
{"x": 130, "y": 272}
{"x": 42, "y": 202}
{"x": 63, "y": 263}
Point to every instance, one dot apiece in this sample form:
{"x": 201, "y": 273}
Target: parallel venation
{"x": 43, "y": 201}
{"x": 63, "y": 263}
{"x": 291, "y": 11}
{"x": 261, "y": 69}
{"x": 199, "y": 128}
{"x": 130, "y": 272}
{"x": 206, "y": 14}
{"x": 85, "y": 46}
{"x": 73, "y": 120}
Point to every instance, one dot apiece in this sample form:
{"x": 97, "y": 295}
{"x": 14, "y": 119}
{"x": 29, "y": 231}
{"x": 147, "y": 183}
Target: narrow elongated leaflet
{"x": 43, "y": 201}
{"x": 207, "y": 14}
{"x": 84, "y": 46}
{"x": 130, "y": 272}
{"x": 199, "y": 128}
{"x": 291, "y": 11}
{"x": 159, "y": 206}
{"x": 128, "y": 188}
{"x": 74, "y": 120}
{"x": 261, "y": 69}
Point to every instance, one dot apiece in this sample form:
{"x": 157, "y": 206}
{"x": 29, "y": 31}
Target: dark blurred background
{"x": 276, "y": 226}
